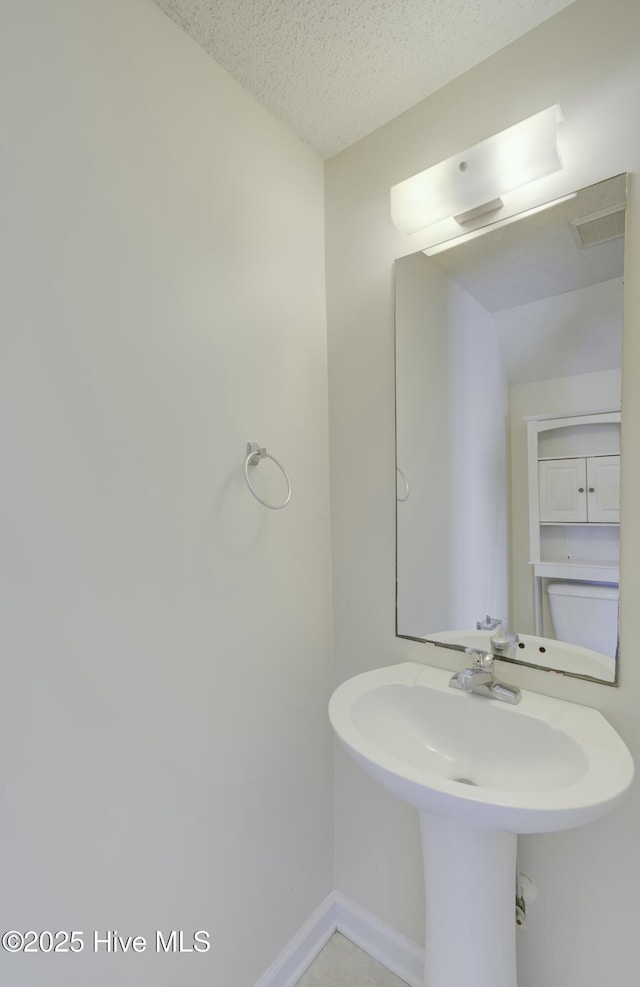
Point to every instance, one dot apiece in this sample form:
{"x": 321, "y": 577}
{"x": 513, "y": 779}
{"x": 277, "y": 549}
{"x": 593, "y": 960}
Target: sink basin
{"x": 540, "y": 766}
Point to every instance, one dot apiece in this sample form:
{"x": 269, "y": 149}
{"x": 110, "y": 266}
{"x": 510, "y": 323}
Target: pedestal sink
{"x": 479, "y": 771}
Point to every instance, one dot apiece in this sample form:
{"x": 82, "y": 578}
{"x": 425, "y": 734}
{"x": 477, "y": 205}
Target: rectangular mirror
{"x": 508, "y": 414}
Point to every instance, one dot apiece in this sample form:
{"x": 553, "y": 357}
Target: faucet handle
{"x": 503, "y": 643}
{"x": 481, "y": 659}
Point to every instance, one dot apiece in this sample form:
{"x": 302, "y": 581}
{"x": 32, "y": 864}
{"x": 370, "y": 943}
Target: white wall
{"x": 582, "y": 930}
{"x": 424, "y": 451}
{"x": 165, "y": 640}
{"x": 479, "y": 412}
{"x": 451, "y": 412}
{"x": 578, "y": 332}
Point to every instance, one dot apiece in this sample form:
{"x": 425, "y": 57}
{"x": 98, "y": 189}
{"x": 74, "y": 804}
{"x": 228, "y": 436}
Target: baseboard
{"x": 396, "y": 952}
{"x": 399, "y": 954}
{"x": 295, "y": 958}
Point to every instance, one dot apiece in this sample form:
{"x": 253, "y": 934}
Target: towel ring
{"x": 254, "y": 454}
{"x": 402, "y": 500}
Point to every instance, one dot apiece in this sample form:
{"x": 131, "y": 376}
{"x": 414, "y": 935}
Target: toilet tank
{"x": 585, "y": 614}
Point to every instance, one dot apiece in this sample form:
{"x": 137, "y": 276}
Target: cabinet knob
{"x": 592, "y": 489}
{"x": 580, "y": 489}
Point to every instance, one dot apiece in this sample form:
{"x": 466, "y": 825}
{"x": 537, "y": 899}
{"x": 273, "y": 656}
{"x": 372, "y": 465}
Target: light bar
{"x": 473, "y": 179}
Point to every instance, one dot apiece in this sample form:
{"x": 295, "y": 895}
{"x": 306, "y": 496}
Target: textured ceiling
{"x": 335, "y": 70}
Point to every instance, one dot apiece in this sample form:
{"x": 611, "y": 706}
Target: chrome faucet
{"x": 480, "y": 679}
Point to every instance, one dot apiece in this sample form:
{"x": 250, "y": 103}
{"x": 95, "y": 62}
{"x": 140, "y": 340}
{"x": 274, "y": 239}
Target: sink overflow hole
{"x": 465, "y": 781}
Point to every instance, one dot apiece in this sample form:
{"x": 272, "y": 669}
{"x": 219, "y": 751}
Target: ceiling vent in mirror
{"x": 608, "y": 224}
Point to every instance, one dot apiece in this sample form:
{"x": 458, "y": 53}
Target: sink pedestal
{"x": 470, "y": 880}
{"x": 478, "y": 771}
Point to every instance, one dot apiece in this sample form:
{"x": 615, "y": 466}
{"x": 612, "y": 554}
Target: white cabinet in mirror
{"x": 508, "y": 411}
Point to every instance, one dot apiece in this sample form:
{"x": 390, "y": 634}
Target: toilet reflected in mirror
{"x": 585, "y": 614}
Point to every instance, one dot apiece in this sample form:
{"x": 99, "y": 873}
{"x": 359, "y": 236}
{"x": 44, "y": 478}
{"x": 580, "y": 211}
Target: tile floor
{"x": 341, "y": 964}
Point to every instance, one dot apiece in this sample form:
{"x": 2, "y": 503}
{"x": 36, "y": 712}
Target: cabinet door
{"x": 603, "y": 488}
{"x": 562, "y": 488}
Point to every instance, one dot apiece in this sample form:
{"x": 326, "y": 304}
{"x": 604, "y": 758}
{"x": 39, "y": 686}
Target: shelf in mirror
{"x": 590, "y": 571}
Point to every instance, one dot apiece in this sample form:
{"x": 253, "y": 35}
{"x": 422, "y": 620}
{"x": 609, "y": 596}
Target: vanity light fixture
{"x": 438, "y": 248}
{"x": 471, "y": 183}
